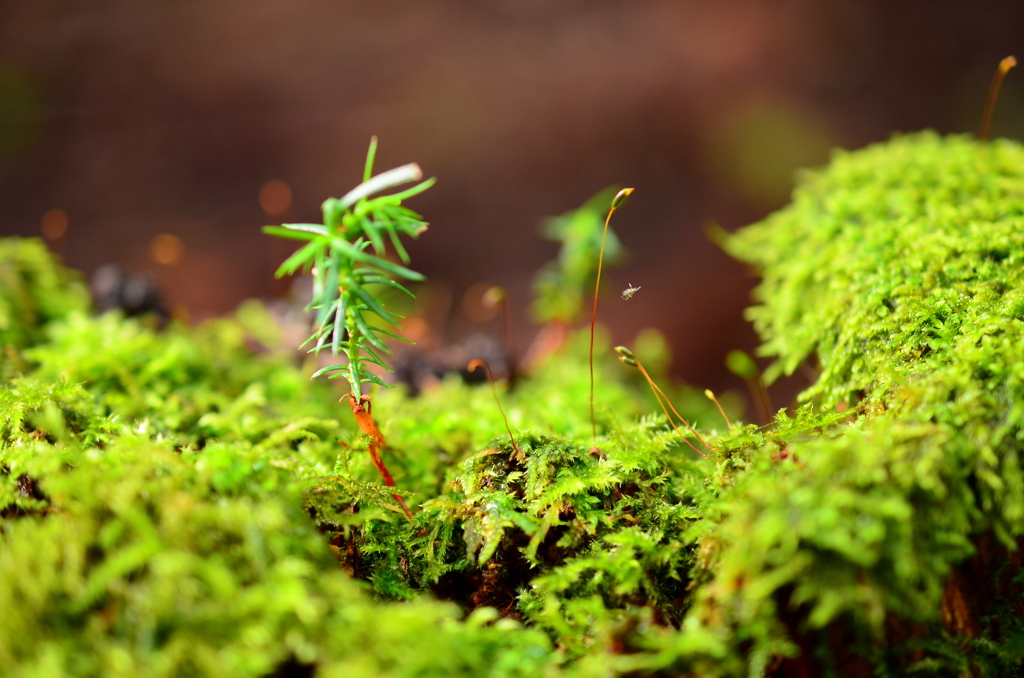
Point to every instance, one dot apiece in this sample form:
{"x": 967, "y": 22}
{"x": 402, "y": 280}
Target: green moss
{"x": 190, "y": 384}
{"x": 897, "y": 271}
{"x": 173, "y": 504}
{"x": 884, "y": 260}
{"x": 32, "y": 293}
{"x": 158, "y": 488}
{"x": 153, "y": 562}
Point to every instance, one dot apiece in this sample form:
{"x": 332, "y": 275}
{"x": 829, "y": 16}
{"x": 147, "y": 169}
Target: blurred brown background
{"x": 142, "y": 133}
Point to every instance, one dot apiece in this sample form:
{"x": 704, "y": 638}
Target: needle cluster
{"x": 347, "y": 257}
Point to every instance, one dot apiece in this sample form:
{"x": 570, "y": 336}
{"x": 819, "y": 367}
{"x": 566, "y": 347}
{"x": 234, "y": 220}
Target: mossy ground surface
{"x": 175, "y": 503}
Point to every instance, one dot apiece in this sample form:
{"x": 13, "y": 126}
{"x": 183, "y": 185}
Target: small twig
{"x": 617, "y": 202}
{"x": 993, "y": 94}
{"x": 711, "y": 396}
{"x": 471, "y": 367}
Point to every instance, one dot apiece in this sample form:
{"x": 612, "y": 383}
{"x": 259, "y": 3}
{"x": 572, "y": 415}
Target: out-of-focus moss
{"x": 34, "y": 291}
{"x": 563, "y": 284}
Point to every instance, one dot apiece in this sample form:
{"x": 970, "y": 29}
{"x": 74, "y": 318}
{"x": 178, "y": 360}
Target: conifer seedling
{"x": 346, "y": 256}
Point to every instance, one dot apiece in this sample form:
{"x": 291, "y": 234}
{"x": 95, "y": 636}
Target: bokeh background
{"x": 161, "y": 135}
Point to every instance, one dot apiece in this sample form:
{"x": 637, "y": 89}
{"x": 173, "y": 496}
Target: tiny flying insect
{"x": 628, "y": 293}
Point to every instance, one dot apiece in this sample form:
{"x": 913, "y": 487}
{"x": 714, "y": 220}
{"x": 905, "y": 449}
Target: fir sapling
{"x": 346, "y": 256}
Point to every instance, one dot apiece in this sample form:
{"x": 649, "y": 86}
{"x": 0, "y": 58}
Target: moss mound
{"x": 174, "y": 503}
{"x": 893, "y": 538}
{"x": 885, "y": 260}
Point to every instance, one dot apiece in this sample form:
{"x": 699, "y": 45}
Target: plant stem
{"x": 659, "y": 394}
{"x": 361, "y": 410}
{"x": 617, "y": 201}
{"x": 993, "y": 94}
{"x": 352, "y": 350}
{"x": 353, "y": 363}
{"x": 627, "y": 356}
{"x": 711, "y": 396}
{"x": 478, "y": 362}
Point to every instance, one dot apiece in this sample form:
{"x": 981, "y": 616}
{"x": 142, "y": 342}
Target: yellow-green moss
{"x": 175, "y": 505}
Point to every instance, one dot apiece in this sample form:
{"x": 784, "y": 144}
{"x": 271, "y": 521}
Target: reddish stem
{"x": 361, "y": 409}
{"x": 659, "y": 395}
{"x": 617, "y": 201}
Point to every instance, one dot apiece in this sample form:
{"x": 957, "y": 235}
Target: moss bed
{"x": 187, "y": 502}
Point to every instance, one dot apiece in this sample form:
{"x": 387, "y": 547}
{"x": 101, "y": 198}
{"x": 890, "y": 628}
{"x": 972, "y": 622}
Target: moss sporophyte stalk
{"x": 174, "y": 503}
